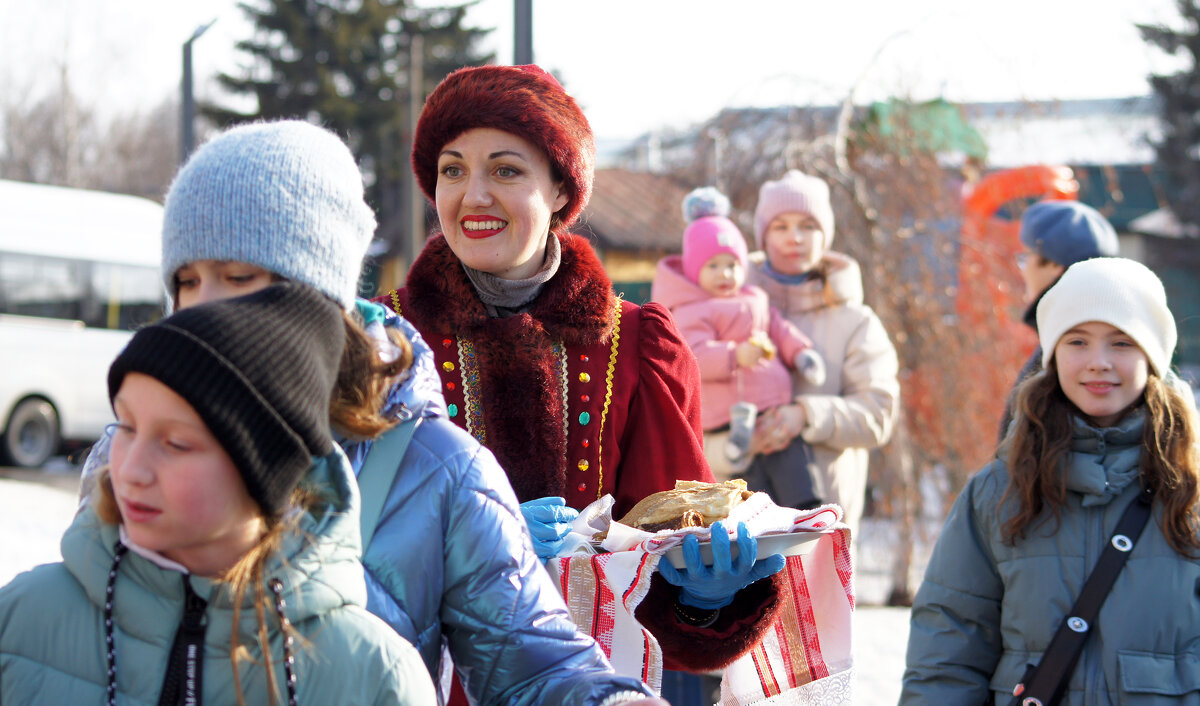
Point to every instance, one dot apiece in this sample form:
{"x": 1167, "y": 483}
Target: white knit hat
{"x": 796, "y": 192}
{"x": 1112, "y": 290}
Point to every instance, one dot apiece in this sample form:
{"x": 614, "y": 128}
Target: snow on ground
{"x": 33, "y": 517}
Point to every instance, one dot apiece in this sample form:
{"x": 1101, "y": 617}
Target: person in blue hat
{"x": 1054, "y": 236}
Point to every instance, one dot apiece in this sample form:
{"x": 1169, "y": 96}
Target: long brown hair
{"x": 249, "y": 571}
{"x": 1041, "y": 440}
{"x": 364, "y": 379}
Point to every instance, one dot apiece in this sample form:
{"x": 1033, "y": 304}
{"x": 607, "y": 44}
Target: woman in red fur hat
{"x": 578, "y": 393}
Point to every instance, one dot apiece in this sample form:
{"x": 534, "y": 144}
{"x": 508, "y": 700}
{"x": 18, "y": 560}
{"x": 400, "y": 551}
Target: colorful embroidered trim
{"x": 608, "y": 390}
{"x": 469, "y": 370}
{"x": 396, "y": 302}
{"x": 561, "y": 351}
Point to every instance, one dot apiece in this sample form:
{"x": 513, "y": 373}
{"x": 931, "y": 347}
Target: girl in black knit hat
{"x": 218, "y": 559}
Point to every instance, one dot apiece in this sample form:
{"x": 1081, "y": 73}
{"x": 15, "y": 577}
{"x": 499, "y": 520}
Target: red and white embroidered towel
{"x": 804, "y": 659}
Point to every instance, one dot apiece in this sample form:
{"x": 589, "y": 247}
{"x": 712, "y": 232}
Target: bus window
{"x": 123, "y": 296}
{"x": 40, "y": 286}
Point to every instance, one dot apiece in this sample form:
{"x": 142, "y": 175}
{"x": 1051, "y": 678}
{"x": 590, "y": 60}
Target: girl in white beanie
{"x": 1101, "y": 429}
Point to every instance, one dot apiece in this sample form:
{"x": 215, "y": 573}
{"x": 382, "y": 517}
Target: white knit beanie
{"x": 796, "y": 192}
{"x": 1112, "y": 290}
{"x": 286, "y": 196}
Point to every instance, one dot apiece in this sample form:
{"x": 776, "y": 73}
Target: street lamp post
{"x": 187, "y": 133}
{"x": 522, "y": 32}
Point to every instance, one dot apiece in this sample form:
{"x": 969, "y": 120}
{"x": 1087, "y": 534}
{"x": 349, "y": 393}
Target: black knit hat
{"x": 259, "y": 370}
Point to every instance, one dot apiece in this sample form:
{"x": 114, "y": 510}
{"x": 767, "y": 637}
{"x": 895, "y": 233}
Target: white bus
{"x": 79, "y": 271}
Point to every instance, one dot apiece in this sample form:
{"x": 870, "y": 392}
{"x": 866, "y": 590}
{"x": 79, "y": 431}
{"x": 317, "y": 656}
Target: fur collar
{"x": 575, "y": 306}
{"x": 520, "y": 383}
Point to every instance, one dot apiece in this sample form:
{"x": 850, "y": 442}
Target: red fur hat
{"x": 522, "y": 100}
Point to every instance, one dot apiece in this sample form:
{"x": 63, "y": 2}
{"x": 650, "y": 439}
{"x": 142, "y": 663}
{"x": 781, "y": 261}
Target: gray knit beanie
{"x": 286, "y": 196}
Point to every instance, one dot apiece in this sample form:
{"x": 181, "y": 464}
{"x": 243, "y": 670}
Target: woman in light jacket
{"x": 820, "y": 291}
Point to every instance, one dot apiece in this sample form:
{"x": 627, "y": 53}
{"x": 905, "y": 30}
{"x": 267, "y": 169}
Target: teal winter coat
{"x": 52, "y": 634}
{"x": 450, "y": 566}
{"x": 987, "y": 609}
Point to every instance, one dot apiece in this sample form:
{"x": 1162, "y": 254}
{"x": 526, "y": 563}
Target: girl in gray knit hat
{"x": 1102, "y": 461}
{"x": 284, "y": 201}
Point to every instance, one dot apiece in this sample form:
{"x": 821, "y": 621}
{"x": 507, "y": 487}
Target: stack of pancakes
{"x": 690, "y": 504}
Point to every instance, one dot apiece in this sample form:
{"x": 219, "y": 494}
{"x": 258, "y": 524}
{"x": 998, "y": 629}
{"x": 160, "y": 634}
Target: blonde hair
{"x": 1168, "y": 465}
{"x": 248, "y": 572}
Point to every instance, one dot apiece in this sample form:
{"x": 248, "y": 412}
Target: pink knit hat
{"x": 796, "y": 192}
{"x": 709, "y": 232}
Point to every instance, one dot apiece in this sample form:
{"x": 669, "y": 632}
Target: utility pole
{"x": 187, "y": 132}
{"x": 416, "y": 99}
{"x": 522, "y": 32}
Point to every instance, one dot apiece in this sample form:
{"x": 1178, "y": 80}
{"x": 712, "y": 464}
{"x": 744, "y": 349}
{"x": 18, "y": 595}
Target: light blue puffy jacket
{"x": 987, "y": 609}
{"x": 451, "y": 561}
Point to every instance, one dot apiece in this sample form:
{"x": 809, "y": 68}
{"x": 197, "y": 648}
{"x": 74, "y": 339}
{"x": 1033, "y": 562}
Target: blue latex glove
{"x": 549, "y": 521}
{"x": 711, "y": 587}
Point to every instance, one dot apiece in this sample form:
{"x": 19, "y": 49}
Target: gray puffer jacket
{"x": 986, "y": 609}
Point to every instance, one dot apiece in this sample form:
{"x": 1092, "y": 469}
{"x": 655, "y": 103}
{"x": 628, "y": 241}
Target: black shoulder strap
{"x": 1044, "y": 684}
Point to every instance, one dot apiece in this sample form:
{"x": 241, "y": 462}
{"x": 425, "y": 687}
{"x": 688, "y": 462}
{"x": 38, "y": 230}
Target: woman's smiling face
{"x": 1101, "y": 370}
{"x": 495, "y": 196}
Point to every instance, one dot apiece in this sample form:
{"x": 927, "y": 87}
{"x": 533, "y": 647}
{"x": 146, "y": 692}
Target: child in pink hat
{"x": 744, "y": 346}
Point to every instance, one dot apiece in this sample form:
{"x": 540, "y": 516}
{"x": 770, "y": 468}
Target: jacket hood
{"x": 318, "y": 565}
{"x": 840, "y": 283}
{"x": 420, "y": 389}
{"x": 672, "y": 288}
{"x": 417, "y": 392}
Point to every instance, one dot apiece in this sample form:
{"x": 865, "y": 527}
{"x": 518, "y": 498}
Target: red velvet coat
{"x": 510, "y": 393}
{"x": 504, "y": 381}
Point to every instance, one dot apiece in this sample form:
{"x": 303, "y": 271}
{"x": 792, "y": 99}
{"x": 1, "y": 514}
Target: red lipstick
{"x": 479, "y": 227}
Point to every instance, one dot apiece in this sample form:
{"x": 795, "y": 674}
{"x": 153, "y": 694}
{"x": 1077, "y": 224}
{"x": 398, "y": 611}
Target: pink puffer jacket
{"x": 713, "y": 327}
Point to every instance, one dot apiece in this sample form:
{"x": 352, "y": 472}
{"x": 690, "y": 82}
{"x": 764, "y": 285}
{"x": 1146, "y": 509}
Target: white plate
{"x": 791, "y": 544}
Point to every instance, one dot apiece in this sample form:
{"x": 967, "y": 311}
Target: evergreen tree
{"x": 1178, "y": 152}
{"x": 344, "y": 64}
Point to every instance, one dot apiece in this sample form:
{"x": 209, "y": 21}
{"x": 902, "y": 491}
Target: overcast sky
{"x": 638, "y": 65}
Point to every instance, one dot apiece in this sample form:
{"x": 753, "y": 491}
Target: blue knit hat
{"x": 1066, "y": 232}
{"x": 286, "y": 196}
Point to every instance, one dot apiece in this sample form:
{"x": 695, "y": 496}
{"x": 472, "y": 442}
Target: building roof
{"x": 634, "y": 211}
{"x": 1103, "y": 131}
{"x": 1016, "y": 133}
